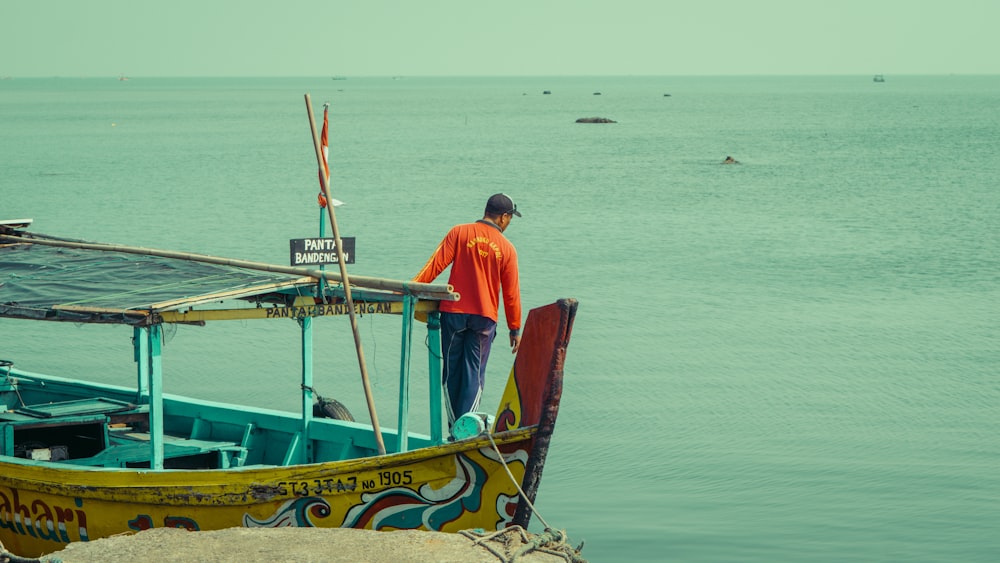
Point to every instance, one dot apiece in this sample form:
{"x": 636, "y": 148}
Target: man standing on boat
{"x": 482, "y": 262}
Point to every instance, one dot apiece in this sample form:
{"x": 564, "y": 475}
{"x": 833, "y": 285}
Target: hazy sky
{"x": 498, "y": 37}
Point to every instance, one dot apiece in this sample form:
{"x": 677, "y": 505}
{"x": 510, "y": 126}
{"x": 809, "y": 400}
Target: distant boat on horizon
{"x": 878, "y": 78}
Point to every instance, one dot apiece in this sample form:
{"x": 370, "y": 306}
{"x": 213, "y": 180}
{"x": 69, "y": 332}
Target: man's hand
{"x": 515, "y": 343}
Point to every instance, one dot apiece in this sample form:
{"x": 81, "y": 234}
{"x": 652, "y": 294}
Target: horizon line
{"x": 126, "y": 77}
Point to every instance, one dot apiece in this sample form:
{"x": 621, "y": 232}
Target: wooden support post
{"x": 155, "y": 397}
{"x": 434, "y": 374}
{"x": 405, "y": 346}
{"x": 306, "y": 455}
{"x": 140, "y": 344}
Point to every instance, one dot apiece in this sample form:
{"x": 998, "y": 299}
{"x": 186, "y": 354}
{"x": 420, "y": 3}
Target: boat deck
{"x": 101, "y": 431}
{"x": 132, "y": 450}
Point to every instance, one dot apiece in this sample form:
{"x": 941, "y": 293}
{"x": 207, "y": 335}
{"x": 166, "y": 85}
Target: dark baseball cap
{"x": 501, "y": 203}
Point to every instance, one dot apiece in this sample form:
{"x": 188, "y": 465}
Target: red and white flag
{"x": 324, "y": 170}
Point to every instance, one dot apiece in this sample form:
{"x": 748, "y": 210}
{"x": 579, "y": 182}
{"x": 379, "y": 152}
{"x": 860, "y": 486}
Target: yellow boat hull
{"x": 446, "y": 488}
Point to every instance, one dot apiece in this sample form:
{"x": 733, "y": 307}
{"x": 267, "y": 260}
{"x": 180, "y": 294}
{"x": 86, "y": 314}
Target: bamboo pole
{"x": 344, "y": 280}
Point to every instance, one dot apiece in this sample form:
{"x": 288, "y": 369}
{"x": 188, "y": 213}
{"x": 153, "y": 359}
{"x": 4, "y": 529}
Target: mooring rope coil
{"x": 551, "y": 542}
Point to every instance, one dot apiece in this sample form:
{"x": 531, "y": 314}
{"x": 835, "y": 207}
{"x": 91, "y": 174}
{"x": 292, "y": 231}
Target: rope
{"x": 431, "y": 351}
{"x": 17, "y": 391}
{"x": 8, "y": 557}
{"x": 13, "y": 382}
{"x": 513, "y": 480}
{"x": 552, "y": 542}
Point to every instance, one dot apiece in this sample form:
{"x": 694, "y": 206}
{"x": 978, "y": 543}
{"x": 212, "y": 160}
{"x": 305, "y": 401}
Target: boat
{"x": 878, "y": 78}
{"x": 83, "y": 459}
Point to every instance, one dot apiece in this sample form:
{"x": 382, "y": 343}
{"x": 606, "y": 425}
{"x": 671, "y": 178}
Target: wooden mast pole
{"x": 344, "y": 281}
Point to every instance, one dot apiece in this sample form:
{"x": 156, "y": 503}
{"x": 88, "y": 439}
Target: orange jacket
{"x": 483, "y": 261}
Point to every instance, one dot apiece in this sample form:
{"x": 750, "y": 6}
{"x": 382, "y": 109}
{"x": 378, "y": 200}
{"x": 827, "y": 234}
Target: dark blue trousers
{"x": 465, "y": 346}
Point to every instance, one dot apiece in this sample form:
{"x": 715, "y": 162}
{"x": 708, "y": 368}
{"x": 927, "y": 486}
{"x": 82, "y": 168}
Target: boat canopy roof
{"x": 57, "y": 279}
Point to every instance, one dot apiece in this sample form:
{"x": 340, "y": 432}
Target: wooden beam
{"x": 293, "y": 312}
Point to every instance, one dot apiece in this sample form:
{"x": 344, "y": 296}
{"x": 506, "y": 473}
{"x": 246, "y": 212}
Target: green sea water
{"x": 796, "y": 358}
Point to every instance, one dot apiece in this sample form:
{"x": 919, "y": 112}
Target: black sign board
{"x": 319, "y": 251}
